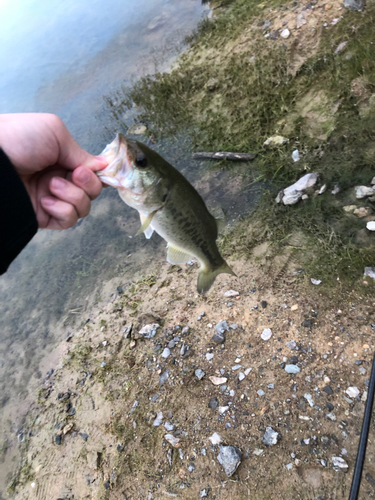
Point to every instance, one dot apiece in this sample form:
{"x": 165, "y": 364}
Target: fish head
{"x": 130, "y": 167}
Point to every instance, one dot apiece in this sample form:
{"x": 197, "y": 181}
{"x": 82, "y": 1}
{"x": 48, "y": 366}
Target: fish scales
{"x": 167, "y": 203}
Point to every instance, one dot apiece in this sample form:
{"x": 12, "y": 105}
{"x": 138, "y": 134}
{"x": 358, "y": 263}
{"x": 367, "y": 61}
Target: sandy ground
{"x": 110, "y": 447}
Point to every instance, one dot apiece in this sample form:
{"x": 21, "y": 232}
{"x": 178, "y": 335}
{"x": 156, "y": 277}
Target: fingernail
{"x": 58, "y": 182}
{"x": 49, "y": 201}
{"x": 83, "y": 176}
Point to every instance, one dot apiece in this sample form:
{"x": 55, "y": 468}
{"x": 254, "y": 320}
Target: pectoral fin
{"x": 176, "y": 255}
{"x": 145, "y": 227}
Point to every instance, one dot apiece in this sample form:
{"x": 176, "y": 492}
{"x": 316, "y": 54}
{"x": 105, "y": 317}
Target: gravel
{"x": 230, "y": 458}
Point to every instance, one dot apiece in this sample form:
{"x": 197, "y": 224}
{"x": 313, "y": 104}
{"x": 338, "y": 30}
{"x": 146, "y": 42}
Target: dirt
{"x": 109, "y": 447}
{"x": 126, "y": 456}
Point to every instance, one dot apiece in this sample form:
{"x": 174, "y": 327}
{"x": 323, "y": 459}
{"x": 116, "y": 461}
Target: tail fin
{"x": 207, "y": 276}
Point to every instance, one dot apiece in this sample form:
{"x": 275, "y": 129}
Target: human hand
{"x": 58, "y": 174}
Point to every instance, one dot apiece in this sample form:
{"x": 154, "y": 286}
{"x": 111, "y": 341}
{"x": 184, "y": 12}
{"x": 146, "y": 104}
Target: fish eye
{"x": 141, "y": 161}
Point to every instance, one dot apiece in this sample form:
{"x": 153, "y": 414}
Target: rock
{"x": 231, "y": 293}
{"x": 218, "y": 380}
{"x": 270, "y": 386}
{"x": 327, "y": 389}
{"x": 295, "y": 155}
{"x": 137, "y": 129}
{"x": 363, "y": 191}
{"x": 215, "y": 438}
{"x": 292, "y": 345}
{"x": 213, "y": 403}
{"x": 266, "y": 334}
{"x": 171, "y": 344}
{"x": 352, "y": 392}
{"x": 263, "y": 304}
{"x": 276, "y": 140}
{"x": 315, "y": 282}
{"x": 339, "y": 463}
{"x": 285, "y": 33}
{"x": 247, "y": 371}
{"x": 292, "y": 369}
{"x": 300, "y": 20}
{"x": 185, "y": 330}
{"x": 260, "y": 392}
{"x": 212, "y": 84}
{"x": 331, "y": 416}
{"x": 294, "y": 307}
{"x": 329, "y": 406}
{"x": 341, "y": 47}
{"x": 166, "y": 353}
{"x": 230, "y": 458}
{"x": 289, "y": 466}
{"x": 305, "y": 197}
{"x": 184, "y": 350}
{"x": 84, "y": 436}
{"x": 362, "y": 371}
{"x": 236, "y": 367}
{"x": 223, "y": 409}
{"x": 163, "y": 377}
{"x": 293, "y": 360}
{"x": 67, "y": 428}
{"x": 350, "y": 208}
{"x": 371, "y": 225}
{"x": 373, "y": 181}
{"x": 149, "y": 331}
{"x": 370, "y": 272}
{"x": 158, "y": 420}
{"x": 199, "y": 373}
{"x": 279, "y": 196}
{"x": 241, "y": 376}
{"x": 293, "y": 193}
{"x": 355, "y": 4}
{"x": 309, "y": 399}
{"x": 209, "y": 356}
{"x": 219, "y": 338}
{"x": 257, "y": 452}
{"x": 58, "y": 439}
{"x": 204, "y": 493}
{"x": 191, "y": 468}
{"x": 172, "y": 440}
{"x": 322, "y": 189}
{"x": 270, "y": 437}
{"x": 222, "y": 327}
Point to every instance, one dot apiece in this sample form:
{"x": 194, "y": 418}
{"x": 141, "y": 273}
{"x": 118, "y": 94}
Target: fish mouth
{"x": 116, "y": 153}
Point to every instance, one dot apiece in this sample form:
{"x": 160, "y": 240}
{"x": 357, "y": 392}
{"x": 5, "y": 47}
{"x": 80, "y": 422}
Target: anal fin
{"x": 176, "y": 255}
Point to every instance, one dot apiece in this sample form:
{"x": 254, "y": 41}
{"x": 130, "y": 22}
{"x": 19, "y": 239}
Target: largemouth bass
{"x": 167, "y": 203}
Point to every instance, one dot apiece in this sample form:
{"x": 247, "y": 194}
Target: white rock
{"x": 218, "y": 380}
{"x": 285, "y": 33}
{"x": 363, "y": 191}
{"x": 292, "y": 369}
{"x": 370, "y": 272}
{"x": 279, "y": 196}
{"x": 339, "y": 463}
{"x": 371, "y": 225}
{"x": 315, "y": 282}
{"x": 171, "y": 439}
{"x": 209, "y": 356}
{"x": 266, "y": 334}
{"x": 168, "y": 426}
{"x": 231, "y": 293}
{"x": 309, "y": 399}
{"x": 158, "y": 420}
{"x": 352, "y": 392}
{"x": 295, "y": 155}
{"x": 373, "y": 180}
{"x": 305, "y": 196}
{"x": 236, "y": 367}
{"x": 215, "y": 438}
{"x": 293, "y": 193}
{"x": 291, "y": 198}
{"x": 247, "y": 371}
{"x": 289, "y": 466}
{"x": 241, "y": 376}
{"x": 336, "y": 189}
{"x": 257, "y": 452}
{"x": 223, "y": 409}
{"x": 149, "y": 331}
{"x": 322, "y": 189}
{"x": 276, "y": 140}
{"x": 260, "y": 392}
{"x": 341, "y": 47}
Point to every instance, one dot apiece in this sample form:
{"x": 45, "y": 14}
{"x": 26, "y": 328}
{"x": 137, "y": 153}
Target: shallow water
{"x": 64, "y": 58}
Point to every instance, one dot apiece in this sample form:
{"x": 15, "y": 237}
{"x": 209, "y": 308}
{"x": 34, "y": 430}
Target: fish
{"x": 167, "y": 204}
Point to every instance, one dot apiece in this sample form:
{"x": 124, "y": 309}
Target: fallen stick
{"x": 225, "y": 156}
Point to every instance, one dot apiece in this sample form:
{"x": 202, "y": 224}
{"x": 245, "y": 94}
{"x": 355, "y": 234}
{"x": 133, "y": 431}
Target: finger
{"x": 71, "y": 155}
{"x": 66, "y": 191}
{"x": 63, "y": 215}
{"x": 88, "y": 181}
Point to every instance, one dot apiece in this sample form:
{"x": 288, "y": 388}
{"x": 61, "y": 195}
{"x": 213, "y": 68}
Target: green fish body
{"x": 168, "y": 204}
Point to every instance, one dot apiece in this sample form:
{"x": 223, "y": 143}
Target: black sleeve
{"x": 18, "y": 222}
